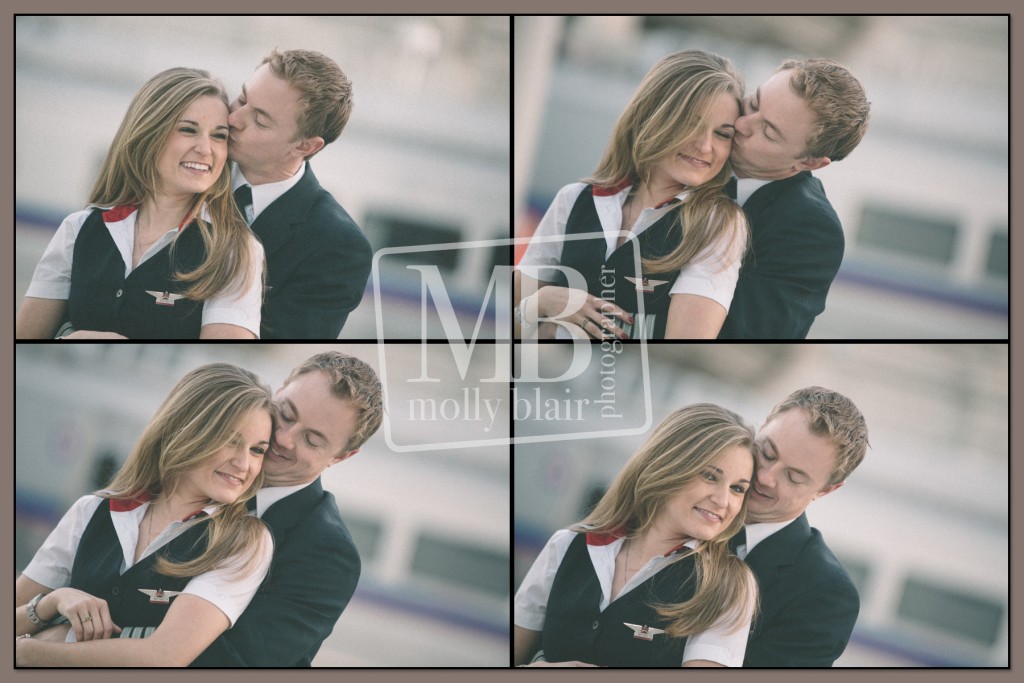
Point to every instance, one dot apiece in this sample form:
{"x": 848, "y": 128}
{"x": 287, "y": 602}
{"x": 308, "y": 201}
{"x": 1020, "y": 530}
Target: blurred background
{"x": 923, "y": 199}
{"x": 423, "y": 160}
{"x": 921, "y": 525}
{"x": 432, "y": 528}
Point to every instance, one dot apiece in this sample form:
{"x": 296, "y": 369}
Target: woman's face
{"x": 706, "y": 506}
{"x": 196, "y": 149}
{"x": 232, "y": 469}
{"x": 702, "y": 160}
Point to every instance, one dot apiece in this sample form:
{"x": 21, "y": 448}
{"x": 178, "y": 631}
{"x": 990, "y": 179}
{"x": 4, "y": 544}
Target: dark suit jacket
{"x": 808, "y": 602}
{"x": 318, "y": 261}
{"x": 312, "y": 577}
{"x": 795, "y": 252}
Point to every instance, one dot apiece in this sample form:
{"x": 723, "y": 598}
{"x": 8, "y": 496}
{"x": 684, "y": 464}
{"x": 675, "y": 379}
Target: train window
{"x": 951, "y": 610}
{"x": 899, "y": 232}
{"x": 366, "y": 534}
{"x": 459, "y": 563}
{"x": 390, "y": 230}
{"x": 997, "y": 261}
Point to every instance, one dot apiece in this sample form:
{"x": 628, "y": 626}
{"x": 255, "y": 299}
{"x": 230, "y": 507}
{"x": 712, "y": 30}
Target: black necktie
{"x": 250, "y": 504}
{"x": 738, "y": 540}
{"x": 730, "y": 188}
{"x": 243, "y": 198}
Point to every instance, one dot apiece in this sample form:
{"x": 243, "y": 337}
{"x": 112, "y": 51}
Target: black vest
{"x": 575, "y": 629}
{"x": 97, "y": 566}
{"x": 606, "y": 279}
{"x": 102, "y": 298}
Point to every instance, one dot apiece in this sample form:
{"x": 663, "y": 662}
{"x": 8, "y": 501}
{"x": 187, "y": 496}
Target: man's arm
{"x": 310, "y": 583}
{"x": 325, "y": 287}
{"x": 784, "y": 281}
{"x": 811, "y": 630}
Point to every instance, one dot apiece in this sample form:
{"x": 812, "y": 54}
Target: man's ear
{"x": 343, "y": 456}
{"x": 827, "y": 490}
{"x": 310, "y": 146}
{"x": 813, "y": 163}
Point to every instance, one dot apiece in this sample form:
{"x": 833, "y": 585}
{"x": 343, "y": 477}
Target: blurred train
{"x": 432, "y": 529}
{"x": 924, "y": 203}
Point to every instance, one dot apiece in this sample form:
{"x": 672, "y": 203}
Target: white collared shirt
{"x": 268, "y": 495}
{"x": 712, "y": 273}
{"x": 757, "y": 533}
{"x": 530, "y": 604}
{"x": 266, "y": 194}
{"x": 746, "y": 187}
{"x": 52, "y": 276}
{"x": 226, "y": 588}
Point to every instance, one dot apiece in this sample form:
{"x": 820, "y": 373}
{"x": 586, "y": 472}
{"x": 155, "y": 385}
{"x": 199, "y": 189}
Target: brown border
{"x": 524, "y": 7}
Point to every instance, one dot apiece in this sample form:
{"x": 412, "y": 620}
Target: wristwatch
{"x": 31, "y": 609}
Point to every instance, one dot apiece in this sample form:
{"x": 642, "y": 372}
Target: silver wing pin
{"x": 645, "y": 285}
{"x": 165, "y": 298}
{"x": 644, "y": 632}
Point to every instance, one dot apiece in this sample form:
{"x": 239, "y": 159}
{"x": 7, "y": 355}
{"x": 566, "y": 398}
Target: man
{"x": 318, "y": 260}
{"x": 809, "y": 114}
{"x": 806, "y": 449}
{"x": 325, "y": 410}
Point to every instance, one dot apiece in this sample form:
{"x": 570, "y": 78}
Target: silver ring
{"x": 585, "y": 323}
{"x": 86, "y": 619}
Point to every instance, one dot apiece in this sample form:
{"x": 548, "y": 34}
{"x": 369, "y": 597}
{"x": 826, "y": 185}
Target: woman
{"x": 647, "y": 578}
{"x": 167, "y": 557}
{"x": 659, "y": 189}
{"x": 161, "y": 252}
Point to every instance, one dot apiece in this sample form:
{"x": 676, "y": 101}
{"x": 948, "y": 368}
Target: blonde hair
{"x": 670, "y": 110}
{"x": 676, "y": 454}
{"x": 129, "y": 175}
{"x": 837, "y": 98}
{"x": 835, "y": 417}
{"x": 354, "y": 381}
{"x": 202, "y": 414}
{"x": 325, "y": 92}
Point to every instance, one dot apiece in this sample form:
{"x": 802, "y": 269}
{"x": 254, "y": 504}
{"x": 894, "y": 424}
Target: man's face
{"x": 311, "y": 429}
{"x": 772, "y": 133}
{"x": 793, "y": 469}
{"x": 265, "y": 138}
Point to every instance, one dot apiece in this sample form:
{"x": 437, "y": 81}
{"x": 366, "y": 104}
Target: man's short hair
{"x": 353, "y": 381}
{"x": 325, "y": 92}
{"x": 838, "y": 99}
{"x": 835, "y": 417}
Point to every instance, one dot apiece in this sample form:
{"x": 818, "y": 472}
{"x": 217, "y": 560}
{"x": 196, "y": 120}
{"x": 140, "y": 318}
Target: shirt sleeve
{"x": 722, "y": 644}
{"x": 227, "y": 587}
{"x": 240, "y": 308}
{"x": 713, "y": 273}
{"x": 52, "y": 563}
{"x": 52, "y": 276}
{"x": 545, "y": 248}
{"x": 531, "y": 599}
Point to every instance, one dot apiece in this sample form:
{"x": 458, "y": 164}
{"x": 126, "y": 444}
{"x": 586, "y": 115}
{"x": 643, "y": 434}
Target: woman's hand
{"x": 89, "y": 615}
{"x": 92, "y": 334}
{"x": 590, "y": 313}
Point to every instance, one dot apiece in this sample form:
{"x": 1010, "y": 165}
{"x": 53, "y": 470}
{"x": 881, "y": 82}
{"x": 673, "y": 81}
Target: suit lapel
{"x": 778, "y": 550}
{"x": 766, "y": 194}
{"x": 275, "y": 224}
{"x": 292, "y": 509}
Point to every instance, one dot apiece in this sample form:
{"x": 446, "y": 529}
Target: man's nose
{"x": 234, "y": 119}
{"x": 765, "y": 476}
{"x": 283, "y": 435}
{"x": 742, "y": 124}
